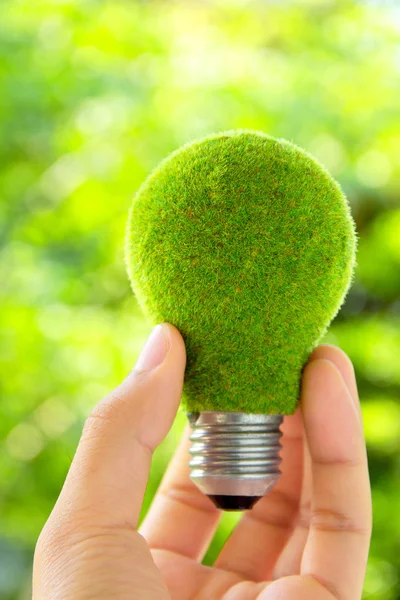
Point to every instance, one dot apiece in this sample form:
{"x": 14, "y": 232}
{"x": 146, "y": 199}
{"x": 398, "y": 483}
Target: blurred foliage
{"x": 93, "y": 94}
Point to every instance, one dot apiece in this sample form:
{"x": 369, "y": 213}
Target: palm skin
{"x": 308, "y": 538}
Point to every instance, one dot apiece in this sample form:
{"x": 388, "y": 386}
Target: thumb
{"x": 89, "y": 547}
{"x": 109, "y": 473}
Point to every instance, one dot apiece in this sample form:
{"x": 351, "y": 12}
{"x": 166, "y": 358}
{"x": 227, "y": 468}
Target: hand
{"x": 308, "y": 539}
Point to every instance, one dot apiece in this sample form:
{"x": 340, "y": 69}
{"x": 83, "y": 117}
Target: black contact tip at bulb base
{"x": 235, "y": 456}
{"x": 233, "y": 502}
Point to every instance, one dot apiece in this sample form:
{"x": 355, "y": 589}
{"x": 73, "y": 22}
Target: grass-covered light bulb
{"x": 246, "y": 244}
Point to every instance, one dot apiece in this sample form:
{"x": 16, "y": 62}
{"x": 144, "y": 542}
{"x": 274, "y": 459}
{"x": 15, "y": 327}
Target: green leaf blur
{"x": 92, "y": 95}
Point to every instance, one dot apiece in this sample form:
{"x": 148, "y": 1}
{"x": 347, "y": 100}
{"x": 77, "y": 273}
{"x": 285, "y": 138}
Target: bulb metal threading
{"x": 235, "y": 456}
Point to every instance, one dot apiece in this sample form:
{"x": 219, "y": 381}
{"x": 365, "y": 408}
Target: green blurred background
{"x": 93, "y": 93}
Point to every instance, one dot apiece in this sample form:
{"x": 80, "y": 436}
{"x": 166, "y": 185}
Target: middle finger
{"x": 262, "y": 533}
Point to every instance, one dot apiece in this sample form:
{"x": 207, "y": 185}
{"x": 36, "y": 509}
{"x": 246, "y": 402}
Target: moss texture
{"x": 246, "y": 244}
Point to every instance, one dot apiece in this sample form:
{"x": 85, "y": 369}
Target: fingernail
{"x": 154, "y": 351}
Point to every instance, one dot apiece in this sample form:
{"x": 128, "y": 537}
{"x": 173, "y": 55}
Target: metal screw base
{"x": 235, "y": 456}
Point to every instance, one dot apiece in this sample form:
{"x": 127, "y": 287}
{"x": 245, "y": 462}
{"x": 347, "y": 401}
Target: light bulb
{"x": 246, "y": 244}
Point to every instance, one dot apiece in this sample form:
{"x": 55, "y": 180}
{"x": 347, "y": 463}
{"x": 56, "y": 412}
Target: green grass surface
{"x": 246, "y": 244}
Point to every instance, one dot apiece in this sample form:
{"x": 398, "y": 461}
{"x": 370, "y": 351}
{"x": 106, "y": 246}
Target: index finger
{"x": 336, "y": 551}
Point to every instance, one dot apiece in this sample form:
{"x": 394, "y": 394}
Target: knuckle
{"x": 330, "y": 520}
{"x": 285, "y": 501}
{"x": 63, "y": 531}
{"x": 115, "y": 407}
{"x": 52, "y": 540}
{"x": 186, "y": 495}
{"x": 140, "y": 375}
{"x": 278, "y": 510}
{"x": 108, "y": 412}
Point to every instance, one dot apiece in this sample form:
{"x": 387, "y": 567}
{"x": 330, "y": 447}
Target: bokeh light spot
{"x": 373, "y": 169}
{"x": 54, "y": 417}
{"x": 24, "y": 442}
